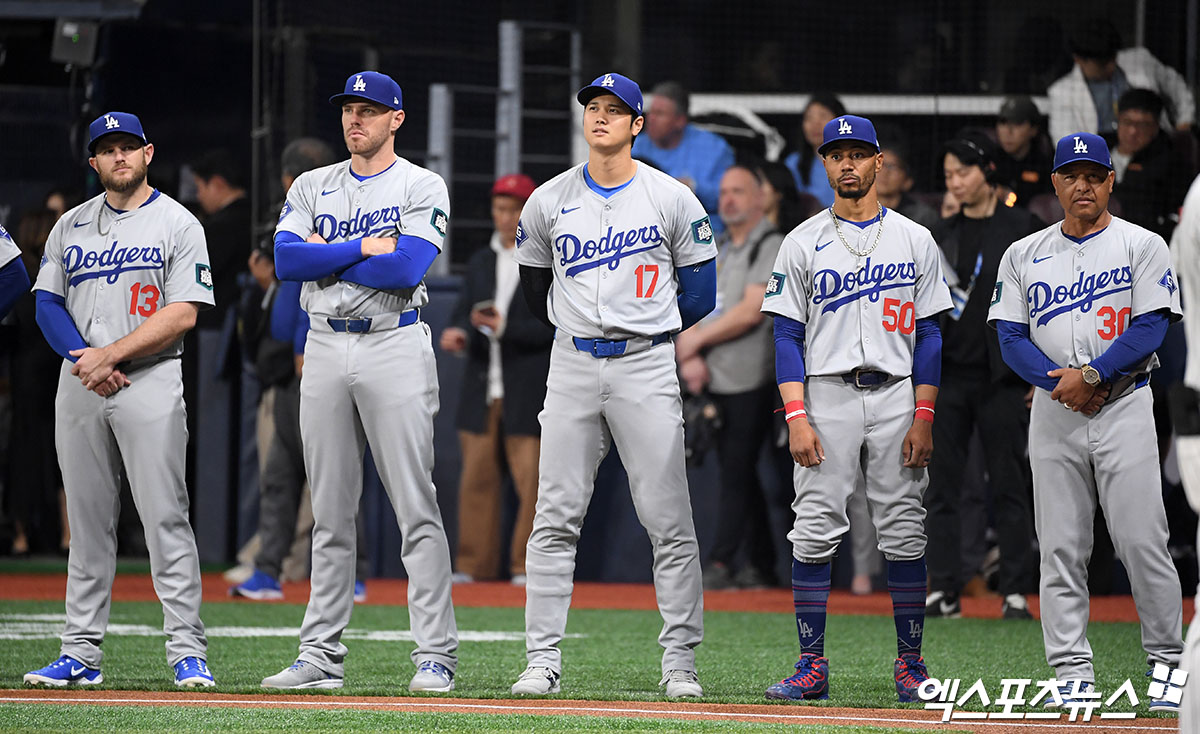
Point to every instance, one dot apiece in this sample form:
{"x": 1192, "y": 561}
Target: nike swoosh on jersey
{"x": 82, "y": 224}
{"x": 1042, "y": 259}
{"x": 568, "y": 211}
{"x": 327, "y": 193}
{"x": 822, "y": 247}
{"x": 76, "y": 671}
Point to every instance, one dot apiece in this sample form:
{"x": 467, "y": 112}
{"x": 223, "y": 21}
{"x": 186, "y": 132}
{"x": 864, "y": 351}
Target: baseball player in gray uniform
{"x": 361, "y": 235}
{"x": 1080, "y": 307}
{"x": 626, "y": 256}
{"x": 855, "y": 294}
{"x": 14, "y": 281}
{"x": 1185, "y": 408}
{"x": 121, "y": 281}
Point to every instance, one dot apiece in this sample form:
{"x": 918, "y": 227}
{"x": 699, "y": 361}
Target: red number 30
{"x": 1114, "y": 322}
{"x": 143, "y": 299}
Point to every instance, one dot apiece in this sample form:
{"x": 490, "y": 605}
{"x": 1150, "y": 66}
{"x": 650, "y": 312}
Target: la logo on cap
{"x": 844, "y": 127}
{"x": 608, "y": 81}
{"x": 110, "y": 122}
{"x": 359, "y": 84}
{"x": 1080, "y": 146}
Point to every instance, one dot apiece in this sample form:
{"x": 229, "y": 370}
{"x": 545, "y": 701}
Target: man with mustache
{"x": 855, "y": 294}
{"x": 117, "y": 313}
{"x": 1080, "y": 307}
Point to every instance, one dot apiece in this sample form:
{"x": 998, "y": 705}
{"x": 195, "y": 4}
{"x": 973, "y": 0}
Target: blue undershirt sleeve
{"x": 57, "y": 325}
{"x": 1023, "y": 356}
{"x": 14, "y": 283}
{"x": 301, "y": 334}
{"x": 284, "y": 310}
{"x": 397, "y": 270}
{"x": 1144, "y": 334}
{"x": 697, "y": 291}
{"x": 927, "y": 353}
{"x": 789, "y": 350}
{"x": 296, "y": 259}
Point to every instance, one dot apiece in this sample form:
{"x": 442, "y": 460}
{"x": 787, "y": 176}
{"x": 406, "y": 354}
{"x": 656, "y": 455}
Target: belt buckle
{"x": 857, "y": 376}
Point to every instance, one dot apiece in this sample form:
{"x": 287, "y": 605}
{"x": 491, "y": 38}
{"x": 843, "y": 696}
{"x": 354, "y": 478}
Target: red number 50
{"x": 903, "y": 316}
{"x": 143, "y": 299}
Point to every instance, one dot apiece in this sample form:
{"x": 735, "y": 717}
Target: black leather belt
{"x": 866, "y": 378}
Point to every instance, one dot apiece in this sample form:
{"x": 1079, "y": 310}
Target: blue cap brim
{"x": 91, "y": 148}
{"x": 339, "y": 99}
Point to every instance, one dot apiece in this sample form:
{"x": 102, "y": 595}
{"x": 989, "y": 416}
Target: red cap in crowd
{"x": 514, "y": 184}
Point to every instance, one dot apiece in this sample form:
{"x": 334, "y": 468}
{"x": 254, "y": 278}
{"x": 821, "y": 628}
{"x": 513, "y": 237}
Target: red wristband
{"x": 794, "y": 409}
{"x": 924, "y": 410}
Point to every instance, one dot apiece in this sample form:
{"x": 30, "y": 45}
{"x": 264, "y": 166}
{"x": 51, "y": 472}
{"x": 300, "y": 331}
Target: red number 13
{"x": 143, "y": 299}
{"x": 642, "y": 272}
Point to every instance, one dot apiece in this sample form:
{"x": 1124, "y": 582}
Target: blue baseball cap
{"x": 114, "y": 122}
{"x": 626, "y": 90}
{"x": 374, "y": 87}
{"x": 849, "y": 127}
{"x": 1081, "y": 147}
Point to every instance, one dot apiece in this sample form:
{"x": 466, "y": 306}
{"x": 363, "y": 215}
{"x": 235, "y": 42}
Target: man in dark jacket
{"x": 978, "y": 390}
{"x": 503, "y": 388}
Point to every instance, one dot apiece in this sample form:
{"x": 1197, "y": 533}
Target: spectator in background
{"x": 781, "y": 202}
{"x": 1086, "y": 98}
{"x": 950, "y": 206}
{"x": 673, "y": 145}
{"x": 503, "y": 388}
{"x": 1024, "y": 160}
{"x": 978, "y": 390}
{"x": 804, "y": 163}
{"x": 1152, "y": 180}
{"x": 33, "y": 493}
{"x": 276, "y": 342}
{"x": 61, "y": 199}
{"x": 894, "y": 181}
{"x": 221, "y": 193}
{"x": 732, "y": 352}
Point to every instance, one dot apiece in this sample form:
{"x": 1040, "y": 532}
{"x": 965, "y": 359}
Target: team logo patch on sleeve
{"x": 1168, "y": 281}
{"x": 440, "y": 221}
{"x": 4, "y": 235}
{"x": 521, "y": 236}
{"x": 287, "y": 209}
{"x": 775, "y": 284}
{"x": 204, "y": 275}
{"x": 996, "y": 292}
{"x": 702, "y": 231}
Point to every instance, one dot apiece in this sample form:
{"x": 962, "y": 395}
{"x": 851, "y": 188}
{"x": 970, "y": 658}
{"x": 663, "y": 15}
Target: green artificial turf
{"x": 616, "y": 658}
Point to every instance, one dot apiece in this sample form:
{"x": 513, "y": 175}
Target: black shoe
{"x": 1015, "y": 607}
{"x": 717, "y": 577}
{"x": 943, "y": 604}
{"x": 753, "y": 578}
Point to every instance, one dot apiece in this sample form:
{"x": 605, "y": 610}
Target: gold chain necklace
{"x": 837, "y": 226}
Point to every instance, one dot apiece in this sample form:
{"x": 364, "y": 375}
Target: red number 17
{"x": 642, "y": 271}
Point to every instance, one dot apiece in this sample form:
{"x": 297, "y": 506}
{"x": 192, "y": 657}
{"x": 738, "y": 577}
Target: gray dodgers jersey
{"x": 331, "y": 202}
{"x": 614, "y": 259}
{"x": 1077, "y": 298}
{"x": 116, "y": 269}
{"x": 859, "y": 312}
{"x": 8, "y": 249}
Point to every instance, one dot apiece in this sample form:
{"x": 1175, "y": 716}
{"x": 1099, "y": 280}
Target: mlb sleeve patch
{"x": 1168, "y": 282}
{"x": 204, "y": 275}
{"x": 702, "y": 231}
{"x": 775, "y": 284}
{"x": 521, "y": 235}
{"x": 996, "y": 292}
{"x": 287, "y": 209}
{"x": 440, "y": 221}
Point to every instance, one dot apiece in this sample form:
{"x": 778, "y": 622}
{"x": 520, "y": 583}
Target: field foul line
{"x": 518, "y": 708}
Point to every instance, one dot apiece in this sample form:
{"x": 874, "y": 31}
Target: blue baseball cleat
{"x": 909, "y": 673}
{"x": 193, "y": 672}
{"x": 259, "y": 587}
{"x": 66, "y": 671}
{"x": 809, "y": 683}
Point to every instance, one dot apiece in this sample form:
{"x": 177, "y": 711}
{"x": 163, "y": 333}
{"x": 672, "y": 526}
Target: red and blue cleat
{"x": 809, "y": 683}
{"x": 909, "y": 672}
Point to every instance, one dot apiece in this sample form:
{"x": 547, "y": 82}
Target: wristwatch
{"x": 1091, "y": 375}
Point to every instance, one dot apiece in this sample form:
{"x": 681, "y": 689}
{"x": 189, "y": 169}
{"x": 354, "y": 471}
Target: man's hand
{"x": 488, "y": 320}
{"x": 299, "y": 362}
{"x": 918, "y": 445}
{"x": 695, "y": 375}
{"x": 378, "y": 245}
{"x": 113, "y": 384}
{"x": 453, "y": 340}
{"x": 317, "y": 239}
{"x": 1099, "y": 396}
{"x": 804, "y": 444}
{"x": 262, "y": 269}
{"x": 687, "y": 345}
{"x": 1071, "y": 390}
{"x": 93, "y": 366}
